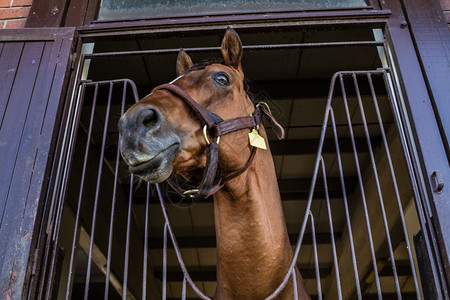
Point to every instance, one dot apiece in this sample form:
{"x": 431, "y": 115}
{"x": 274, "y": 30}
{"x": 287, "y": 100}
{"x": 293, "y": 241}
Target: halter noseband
{"x": 217, "y": 127}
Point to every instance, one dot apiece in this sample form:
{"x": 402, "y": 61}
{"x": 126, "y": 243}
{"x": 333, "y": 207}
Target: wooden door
{"x": 33, "y": 68}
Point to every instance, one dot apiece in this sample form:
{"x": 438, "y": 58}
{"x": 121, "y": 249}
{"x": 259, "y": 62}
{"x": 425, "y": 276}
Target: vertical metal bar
{"x": 394, "y": 179}
{"x": 80, "y": 196}
{"x": 97, "y": 192}
{"x": 53, "y": 231}
{"x": 113, "y": 203}
{"x": 361, "y": 187}
{"x": 316, "y": 257}
{"x": 347, "y": 212}
{"x": 330, "y": 221}
{"x": 164, "y": 277}
{"x": 127, "y": 243}
{"x": 378, "y": 185}
{"x": 183, "y": 291}
{"x": 144, "y": 263}
{"x": 294, "y": 283}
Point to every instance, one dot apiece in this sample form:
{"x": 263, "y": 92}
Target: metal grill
{"x": 107, "y": 215}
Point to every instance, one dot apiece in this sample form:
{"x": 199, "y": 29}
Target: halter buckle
{"x": 205, "y": 136}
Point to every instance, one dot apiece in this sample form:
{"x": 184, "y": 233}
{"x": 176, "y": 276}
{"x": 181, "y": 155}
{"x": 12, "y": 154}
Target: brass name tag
{"x": 256, "y": 140}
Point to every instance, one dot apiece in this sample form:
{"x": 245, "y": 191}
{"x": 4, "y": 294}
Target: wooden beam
{"x": 309, "y": 146}
{"x": 47, "y": 13}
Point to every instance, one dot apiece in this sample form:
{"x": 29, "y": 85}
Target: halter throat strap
{"x": 217, "y": 127}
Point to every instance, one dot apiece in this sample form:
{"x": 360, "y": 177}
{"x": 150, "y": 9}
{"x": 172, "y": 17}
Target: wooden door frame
{"x": 420, "y": 75}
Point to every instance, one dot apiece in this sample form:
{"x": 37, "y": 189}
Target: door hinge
{"x": 437, "y": 183}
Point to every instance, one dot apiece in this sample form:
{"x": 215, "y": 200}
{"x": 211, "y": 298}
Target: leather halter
{"x": 217, "y": 127}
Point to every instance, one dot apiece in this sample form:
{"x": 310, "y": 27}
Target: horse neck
{"x": 250, "y": 222}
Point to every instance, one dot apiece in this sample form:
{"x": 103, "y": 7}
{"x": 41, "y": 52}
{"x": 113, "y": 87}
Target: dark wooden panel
{"x": 432, "y": 39}
{"x": 27, "y": 135}
{"x": 9, "y": 61}
{"x": 81, "y": 12}
{"x": 26, "y": 167}
{"x": 11, "y": 127}
{"x": 46, "y": 13}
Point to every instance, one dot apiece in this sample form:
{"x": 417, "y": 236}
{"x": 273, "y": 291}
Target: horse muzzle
{"x": 145, "y": 146}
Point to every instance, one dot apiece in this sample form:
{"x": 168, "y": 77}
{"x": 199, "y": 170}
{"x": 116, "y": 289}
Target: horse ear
{"x": 184, "y": 62}
{"x": 232, "y": 49}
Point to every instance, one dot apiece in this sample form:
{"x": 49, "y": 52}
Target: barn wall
{"x": 14, "y": 13}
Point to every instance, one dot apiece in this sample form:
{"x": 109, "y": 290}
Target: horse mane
{"x": 203, "y": 64}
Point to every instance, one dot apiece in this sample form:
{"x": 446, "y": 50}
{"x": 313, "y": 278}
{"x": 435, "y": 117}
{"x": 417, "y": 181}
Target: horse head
{"x": 164, "y": 133}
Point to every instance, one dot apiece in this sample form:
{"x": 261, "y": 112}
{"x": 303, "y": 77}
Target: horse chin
{"x": 158, "y": 168}
{"x": 157, "y": 176}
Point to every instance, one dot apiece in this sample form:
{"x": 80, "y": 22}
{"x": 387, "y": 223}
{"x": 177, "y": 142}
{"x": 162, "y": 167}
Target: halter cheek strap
{"x": 217, "y": 127}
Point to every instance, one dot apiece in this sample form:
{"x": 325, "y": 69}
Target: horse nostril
{"x": 150, "y": 118}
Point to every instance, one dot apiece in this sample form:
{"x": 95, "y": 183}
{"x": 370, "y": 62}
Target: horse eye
{"x": 221, "y": 78}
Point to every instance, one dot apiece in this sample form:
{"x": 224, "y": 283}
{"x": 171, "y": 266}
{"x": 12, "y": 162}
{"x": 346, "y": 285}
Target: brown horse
{"x": 168, "y": 132}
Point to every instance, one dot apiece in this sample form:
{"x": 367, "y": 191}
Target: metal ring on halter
{"x": 206, "y": 136}
{"x": 191, "y": 192}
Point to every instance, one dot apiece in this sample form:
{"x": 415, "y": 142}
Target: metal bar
{"x": 113, "y": 203}
{"x": 97, "y": 192}
{"x": 316, "y": 257}
{"x": 294, "y": 283}
{"x": 60, "y": 188}
{"x": 346, "y": 209}
{"x": 77, "y": 217}
{"x": 378, "y": 185}
{"x": 330, "y": 221}
{"x": 145, "y": 263}
{"x": 248, "y": 48}
{"x": 73, "y": 110}
{"x": 361, "y": 186}
{"x": 164, "y": 279}
{"x": 183, "y": 290}
{"x": 394, "y": 179}
{"x": 127, "y": 243}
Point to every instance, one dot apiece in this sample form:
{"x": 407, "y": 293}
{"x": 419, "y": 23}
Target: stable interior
{"x": 295, "y": 83}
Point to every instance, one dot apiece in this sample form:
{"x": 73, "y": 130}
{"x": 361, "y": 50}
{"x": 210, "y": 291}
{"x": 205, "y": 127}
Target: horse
{"x": 219, "y": 142}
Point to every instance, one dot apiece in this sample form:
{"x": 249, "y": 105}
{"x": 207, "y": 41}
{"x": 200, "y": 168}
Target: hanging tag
{"x": 256, "y": 140}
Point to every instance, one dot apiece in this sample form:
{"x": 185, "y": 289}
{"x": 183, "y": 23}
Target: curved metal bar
{"x": 176, "y": 248}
